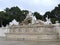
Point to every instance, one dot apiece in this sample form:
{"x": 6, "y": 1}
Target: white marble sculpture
{"x": 47, "y": 21}
{"x": 30, "y": 15}
{"x": 14, "y": 22}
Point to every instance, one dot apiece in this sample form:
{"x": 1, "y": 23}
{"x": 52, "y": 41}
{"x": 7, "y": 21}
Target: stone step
{"x": 32, "y": 37}
{"x": 35, "y": 33}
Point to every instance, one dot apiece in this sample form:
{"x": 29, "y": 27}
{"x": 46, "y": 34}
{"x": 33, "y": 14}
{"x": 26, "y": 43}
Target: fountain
{"x": 32, "y": 30}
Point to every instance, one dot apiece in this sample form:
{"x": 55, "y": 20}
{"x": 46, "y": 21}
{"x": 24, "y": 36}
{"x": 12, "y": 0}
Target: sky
{"x": 40, "y": 6}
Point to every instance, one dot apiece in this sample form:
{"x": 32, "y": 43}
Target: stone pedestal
{"x": 34, "y": 33}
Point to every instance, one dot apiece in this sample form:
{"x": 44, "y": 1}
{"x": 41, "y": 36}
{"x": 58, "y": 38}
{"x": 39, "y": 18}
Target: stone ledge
{"x": 18, "y": 39}
{"x": 31, "y": 33}
{"x": 32, "y": 37}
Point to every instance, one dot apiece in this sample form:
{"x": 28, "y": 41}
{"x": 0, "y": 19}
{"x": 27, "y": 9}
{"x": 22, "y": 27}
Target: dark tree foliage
{"x": 37, "y": 15}
{"x": 9, "y": 14}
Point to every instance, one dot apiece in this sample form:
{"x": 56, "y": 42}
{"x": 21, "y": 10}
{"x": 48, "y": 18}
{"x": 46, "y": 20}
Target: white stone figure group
{"x": 34, "y": 20}
{"x": 47, "y": 21}
{"x": 30, "y": 15}
{"x": 14, "y": 22}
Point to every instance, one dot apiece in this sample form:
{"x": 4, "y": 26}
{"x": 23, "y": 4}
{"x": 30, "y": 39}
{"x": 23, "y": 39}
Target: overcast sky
{"x": 40, "y": 6}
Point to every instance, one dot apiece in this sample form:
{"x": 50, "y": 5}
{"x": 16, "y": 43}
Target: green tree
{"x": 37, "y": 15}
